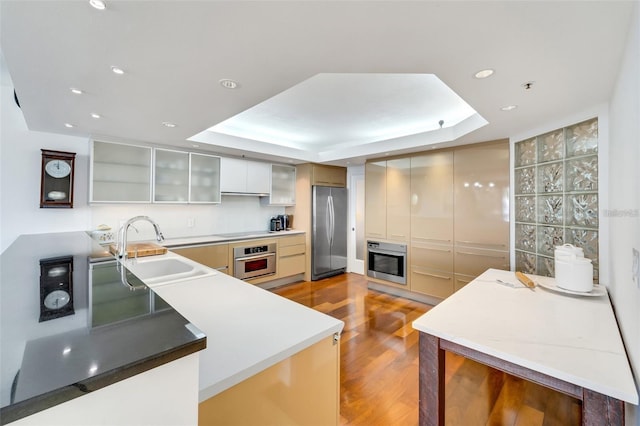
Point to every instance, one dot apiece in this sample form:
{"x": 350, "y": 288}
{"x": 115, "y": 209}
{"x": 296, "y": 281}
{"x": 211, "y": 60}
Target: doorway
{"x": 355, "y": 247}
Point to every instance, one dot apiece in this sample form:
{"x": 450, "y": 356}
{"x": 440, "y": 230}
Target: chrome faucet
{"x": 121, "y": 243}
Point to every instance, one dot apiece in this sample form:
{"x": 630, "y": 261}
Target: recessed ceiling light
{"x": 76, "y": 91}
{"x": 117, "y": 70}
{"x": 68, "y": 125}
{"x": 94, "y": 115}
{"x": 98, "y": 4}
{"x": 228, "y": 84}
{"x": 168, "y": 124}
{"x": 484, "y": 73}
{"x": 509, "y": 108}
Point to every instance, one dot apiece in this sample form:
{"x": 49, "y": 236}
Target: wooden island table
{"x": 568, "y": 343}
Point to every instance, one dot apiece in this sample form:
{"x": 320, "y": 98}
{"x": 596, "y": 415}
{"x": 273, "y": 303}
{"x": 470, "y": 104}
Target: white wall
{"x": 20, "y": 162}
{"x": 20, "y": 212}
{"x": 624, "y": 200}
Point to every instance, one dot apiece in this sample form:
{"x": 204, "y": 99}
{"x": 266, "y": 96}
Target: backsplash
{"x": 234, "y": 214}
{"x": 556, "y": 196}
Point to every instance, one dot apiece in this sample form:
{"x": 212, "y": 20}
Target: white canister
{"x": 574, "y": 274}
{"x": 568, "y": 251}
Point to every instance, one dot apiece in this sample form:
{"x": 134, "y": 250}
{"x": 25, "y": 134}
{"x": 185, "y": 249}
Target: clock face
{"x": 58, "y": 168}
{"x": 56, "y": 299}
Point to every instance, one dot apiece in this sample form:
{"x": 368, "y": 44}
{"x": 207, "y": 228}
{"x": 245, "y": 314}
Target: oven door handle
{"x": 257, "y": 256}
{"x": 391, "y": 253}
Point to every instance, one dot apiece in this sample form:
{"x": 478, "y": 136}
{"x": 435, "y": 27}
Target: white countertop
{"x": 248, "y": 329}
{"x": 572, "y": 338}
{"x": 225, "y": 238}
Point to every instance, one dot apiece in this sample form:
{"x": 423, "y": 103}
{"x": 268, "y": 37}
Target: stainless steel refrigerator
{"x": 329, "y": 231}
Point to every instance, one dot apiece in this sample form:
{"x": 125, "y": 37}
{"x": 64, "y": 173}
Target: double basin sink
{"x": 166, "y": 269}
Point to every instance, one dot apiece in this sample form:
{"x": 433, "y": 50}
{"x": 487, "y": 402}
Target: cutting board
{"x": 143, "y": 249}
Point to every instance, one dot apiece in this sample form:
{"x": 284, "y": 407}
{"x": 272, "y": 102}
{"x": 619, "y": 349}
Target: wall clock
{"x": 56, "y": 287}
{"x": 56, "y": 188}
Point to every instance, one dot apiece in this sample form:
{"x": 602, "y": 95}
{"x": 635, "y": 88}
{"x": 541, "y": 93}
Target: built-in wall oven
{"x": 387, "y": 261}
{"x": 254, "y": 261}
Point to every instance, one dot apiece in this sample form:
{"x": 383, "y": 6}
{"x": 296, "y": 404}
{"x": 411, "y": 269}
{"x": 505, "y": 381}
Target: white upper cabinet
{"x": 240, "y": 176}
{"x": 171, "y": 176}
{"x": 204, "y": 182}
{"x": 120, "y": 173}
{"x": 283, "y": 185}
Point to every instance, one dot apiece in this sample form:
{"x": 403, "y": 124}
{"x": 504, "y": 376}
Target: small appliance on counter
{"x": 282, "y": 222}
{"x": 573, "y": 271}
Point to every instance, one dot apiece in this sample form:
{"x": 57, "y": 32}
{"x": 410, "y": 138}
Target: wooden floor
{"x": 379, "y": 366}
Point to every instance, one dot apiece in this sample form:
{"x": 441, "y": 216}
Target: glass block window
{"x": 556, "y": 196}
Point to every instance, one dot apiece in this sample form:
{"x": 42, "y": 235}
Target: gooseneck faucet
{"x": 121, "y": 244}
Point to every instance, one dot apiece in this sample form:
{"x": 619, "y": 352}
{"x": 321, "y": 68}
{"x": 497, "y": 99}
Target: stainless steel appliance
{"x": 254, "y": 261}
{"x": 328, "y": 232}
{"x": 387, "y": 261}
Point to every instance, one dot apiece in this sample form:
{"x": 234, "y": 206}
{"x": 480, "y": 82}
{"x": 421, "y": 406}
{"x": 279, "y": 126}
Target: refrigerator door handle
{"x": 332, "y": 220}
{"x": 328, "y": 220}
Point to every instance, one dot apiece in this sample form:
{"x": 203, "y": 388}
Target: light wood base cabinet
{"x": 304, "y": 389}
{"x": 214, "y": 256}
{"x": 291, "y": 256}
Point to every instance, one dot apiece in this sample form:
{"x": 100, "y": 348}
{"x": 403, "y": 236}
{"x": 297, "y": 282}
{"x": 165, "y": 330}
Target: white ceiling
{"x": 336, "y": 66}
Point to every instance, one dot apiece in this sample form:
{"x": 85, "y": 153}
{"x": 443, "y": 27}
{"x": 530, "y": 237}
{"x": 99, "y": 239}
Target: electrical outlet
{"x": 635, "y": 268}
{"x": 191, "y": 222}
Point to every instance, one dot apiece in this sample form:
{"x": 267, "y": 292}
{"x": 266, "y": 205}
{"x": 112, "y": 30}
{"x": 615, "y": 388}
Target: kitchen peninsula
{"x": 253, "y": 338}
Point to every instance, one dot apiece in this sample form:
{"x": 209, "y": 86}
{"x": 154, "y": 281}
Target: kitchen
{"x": 615, "y": 105}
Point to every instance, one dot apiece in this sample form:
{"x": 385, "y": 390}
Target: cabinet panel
{"x": 398, "y": 199}
{"x": 329, "y": 176}
{"x": 291, "y": 265}
{"x": 432, "y": 197}
{"x": 376, "y": 199}
{"x": 432, "y": 283}
{"x": 291, "y": 241}
{"x": 283, "y": 185}
{"x": 171, "y": 182}
{"x": 481, "y": 185}
{"x": 432, "y": 256}
{"x": 258, "y": 175}
{"x": 213, "y": 256}
{"x": 120, "y": 173}
{"x": 233, "y": 175}
{"x": 474, "y": 261}
{"x": 461, "y": 280}
{"x": 204, "y": 178}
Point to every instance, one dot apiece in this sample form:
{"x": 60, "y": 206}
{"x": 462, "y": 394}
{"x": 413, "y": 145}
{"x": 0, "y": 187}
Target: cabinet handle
{"x": 433, "y": 249}
{"x": 481, "y": 244}
{"x": 432, "y": 239}
{"x": 432, "y": 275}
{"x": 374, "y": 233}
{"x": 479, "y": 254}
{"x": 290, "y": 255}
{"x": 398, "y": 235}
{"x": 222, "y": 268}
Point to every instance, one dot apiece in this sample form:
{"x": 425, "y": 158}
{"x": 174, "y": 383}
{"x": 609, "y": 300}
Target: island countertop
{"x": 572, "y": 338}
{"x": 45, "y": 363}
{"x": 248, "y": 328}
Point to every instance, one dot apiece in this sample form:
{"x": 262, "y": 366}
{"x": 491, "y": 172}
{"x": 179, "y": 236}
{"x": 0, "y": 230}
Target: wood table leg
{"x": 600, "y": 410}
{"x": 431, "y": 381}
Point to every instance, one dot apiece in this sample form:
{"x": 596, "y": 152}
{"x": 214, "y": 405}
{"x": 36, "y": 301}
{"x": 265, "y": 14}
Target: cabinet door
{"x": 432, "y": 283}
{"x": 375, "y": 183}
{"x": 481, "y": 188}
{"x": 283, "y": 185}
{"x": 233, "y": 175}
{"x": 171, "y": 183}
{"x": 398, "y": 199}
{"x": 205, "y": 178}
{"x": 329, "y": 176}
{"x": 214, "y": 256}
{"x": 432, "y": 198}
{"x": 120, "y": 173}
{"x": 258, "y": 175}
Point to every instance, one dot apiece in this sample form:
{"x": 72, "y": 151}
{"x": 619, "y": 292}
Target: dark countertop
{"x": 111, "y": 333}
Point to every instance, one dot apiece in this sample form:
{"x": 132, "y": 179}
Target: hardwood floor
{"x": 379, "y": 366}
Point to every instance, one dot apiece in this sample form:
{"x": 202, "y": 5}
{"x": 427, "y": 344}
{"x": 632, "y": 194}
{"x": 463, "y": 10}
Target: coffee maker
{"x": 285, "y": 221}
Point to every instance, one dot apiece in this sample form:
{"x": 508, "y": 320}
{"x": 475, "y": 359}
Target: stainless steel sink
{"x": 168, "y": 268}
